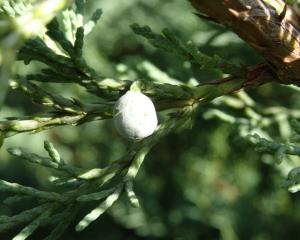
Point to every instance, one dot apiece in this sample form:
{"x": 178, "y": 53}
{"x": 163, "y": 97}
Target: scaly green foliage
{"x": 21, "y": 20}
{"x": 281, "y": 151}
{"x": 167, "y": 41}
{"x": 59, "y": 48}
{"x": 61, "y": 51}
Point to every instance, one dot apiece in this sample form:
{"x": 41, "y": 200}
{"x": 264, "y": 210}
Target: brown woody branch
{"x": 270, "y": 27}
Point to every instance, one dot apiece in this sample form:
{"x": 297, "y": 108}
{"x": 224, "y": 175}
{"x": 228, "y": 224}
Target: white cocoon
{"x": 135, "y": 116}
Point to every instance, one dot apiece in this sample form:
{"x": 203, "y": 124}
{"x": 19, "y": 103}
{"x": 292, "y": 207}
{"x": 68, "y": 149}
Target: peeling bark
{"x": 269, "y": 26}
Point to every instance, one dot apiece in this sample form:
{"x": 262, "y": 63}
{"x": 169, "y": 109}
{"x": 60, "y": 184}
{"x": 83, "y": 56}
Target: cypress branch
{"x": 62, "y": 53}
{"x": 19, "y": 189}
{"x": 134, "y": 201}
{"x": 167, "y": 41}
{"x": 97, "y": 212}
{"x": 88, "y": 27}
{"x": 31, "y": 227}
{"x": 7, "y": 223}
{"x": 53, "y": 162}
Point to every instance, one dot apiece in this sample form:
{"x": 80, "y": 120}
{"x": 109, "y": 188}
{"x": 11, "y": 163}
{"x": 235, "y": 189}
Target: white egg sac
{"x": 135, "y": 116}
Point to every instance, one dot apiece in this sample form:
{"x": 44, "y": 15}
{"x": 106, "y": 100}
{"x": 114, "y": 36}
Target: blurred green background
{"x": 201, "y": 183}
